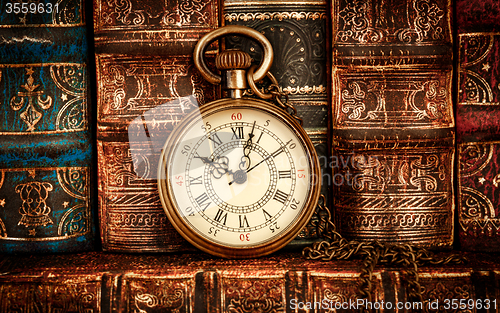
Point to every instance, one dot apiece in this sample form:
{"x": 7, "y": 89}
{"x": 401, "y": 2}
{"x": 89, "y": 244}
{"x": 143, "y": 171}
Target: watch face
{"x": 239, "y": 178}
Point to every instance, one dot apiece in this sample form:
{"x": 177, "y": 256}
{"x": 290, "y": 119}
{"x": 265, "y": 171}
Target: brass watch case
{"x": 173, "y": 212}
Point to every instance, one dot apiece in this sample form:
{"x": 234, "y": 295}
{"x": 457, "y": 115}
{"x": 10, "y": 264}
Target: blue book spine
{"x": 45, "y": 129}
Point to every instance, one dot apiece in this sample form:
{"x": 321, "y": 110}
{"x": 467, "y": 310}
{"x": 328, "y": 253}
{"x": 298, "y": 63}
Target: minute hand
{"x": 274, "y": 154}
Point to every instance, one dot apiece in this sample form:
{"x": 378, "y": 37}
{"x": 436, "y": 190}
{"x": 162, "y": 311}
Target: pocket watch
{"x": 239, "y": 177}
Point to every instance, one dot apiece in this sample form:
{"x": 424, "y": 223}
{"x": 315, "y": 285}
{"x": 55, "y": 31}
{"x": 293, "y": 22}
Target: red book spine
{"x": 478, "y": 126}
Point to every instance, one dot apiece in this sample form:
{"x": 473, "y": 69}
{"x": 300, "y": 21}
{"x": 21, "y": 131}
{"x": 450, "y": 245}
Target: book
{"x": 282, "y": 282}
{"x": 393, "y": 132}
{"x": 298, "y": 33}
{"x": 45, "y": 129}
{"x": 478, "y": 110}
{"x": 146, "y": 83}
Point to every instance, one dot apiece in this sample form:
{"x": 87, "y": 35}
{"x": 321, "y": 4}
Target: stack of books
{"x": 401, "y": 99}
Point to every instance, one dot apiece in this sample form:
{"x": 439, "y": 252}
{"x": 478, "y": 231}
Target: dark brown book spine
{"x": 146, "y": 83}
{"x": 393, "y": 126}
{"x": 106, "y": 282}
{"x": 478, "y": 126}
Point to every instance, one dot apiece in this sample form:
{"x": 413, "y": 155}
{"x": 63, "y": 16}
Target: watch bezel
{"x": 191, "y": 235}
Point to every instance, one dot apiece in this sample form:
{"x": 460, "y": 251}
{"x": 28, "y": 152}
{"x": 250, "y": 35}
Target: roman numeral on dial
{"x": 237, "y": 133}
{"x": 202, "y": 201}
{"x": 243, "y": 221}
{"x": 221, "y": 217}
{"x": 215, "y": 139}
{"x": 195, "y": 180}
{"x": 267, "y": 216}
{"x": 258, "y": 140}
{"x": 285, "y": 174}
{"x": 277, "y": 152}
{"x": 280, "y": 196}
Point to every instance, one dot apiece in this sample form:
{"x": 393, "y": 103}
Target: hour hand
{"x": 247, "y": 148}
{"x": 219, "y": 166}
{"x": 205, "y": 160}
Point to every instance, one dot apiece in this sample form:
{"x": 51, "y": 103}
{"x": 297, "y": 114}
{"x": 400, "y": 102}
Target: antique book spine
{"x": 393, "y": 124}
{"x": 146, "y": 83}
{"x": 106, "y": 282}
{"x": 297, "y": 31}
{"x": 45, "y": 129}
{"x": 478, "y": 126}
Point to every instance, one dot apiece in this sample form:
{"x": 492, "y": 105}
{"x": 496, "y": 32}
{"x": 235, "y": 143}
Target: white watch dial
{"x": 239, "y": 177}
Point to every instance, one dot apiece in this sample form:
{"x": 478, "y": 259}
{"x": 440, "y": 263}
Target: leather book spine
{"x": 393, "y": 125}
{"x": 108, "y": 282}
{"x": 146, "y": 83}
{"x": 297, "y": 31}
{"x": 478, "y": 126}
{"x": 45, "y": 129}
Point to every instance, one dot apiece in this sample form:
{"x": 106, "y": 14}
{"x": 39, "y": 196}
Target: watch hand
{"x": 204, "y": 159}
{"x": 219, "y": 167}
{"x": 275, "y": 153}
{"x": 248, "y": 145}
{"x": 253, "y": 128}
{"x": 247, "y": 148}
{"x": 244, "y": 163}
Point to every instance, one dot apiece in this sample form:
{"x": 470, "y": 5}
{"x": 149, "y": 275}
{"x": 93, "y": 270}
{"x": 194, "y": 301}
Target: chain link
{"x": 335, "y": 247}
{"x": 272, "y": 91}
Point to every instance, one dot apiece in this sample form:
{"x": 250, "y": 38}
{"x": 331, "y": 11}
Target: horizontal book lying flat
{"x": 282, "y": 282}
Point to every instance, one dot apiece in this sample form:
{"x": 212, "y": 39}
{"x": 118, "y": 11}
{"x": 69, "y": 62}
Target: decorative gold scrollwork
{"x": 34, "y": 209}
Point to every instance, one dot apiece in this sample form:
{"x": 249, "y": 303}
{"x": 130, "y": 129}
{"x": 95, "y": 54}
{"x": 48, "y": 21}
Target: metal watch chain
{"x": 273, "y": 92}
{"x": 335, "y": 247}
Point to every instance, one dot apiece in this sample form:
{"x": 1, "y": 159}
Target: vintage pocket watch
{"x": 239, "y": 177}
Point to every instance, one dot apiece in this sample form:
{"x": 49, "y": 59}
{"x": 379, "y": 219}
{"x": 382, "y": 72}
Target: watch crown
{"x": 233, "y": 59}
{"x": 233, "y": 64}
